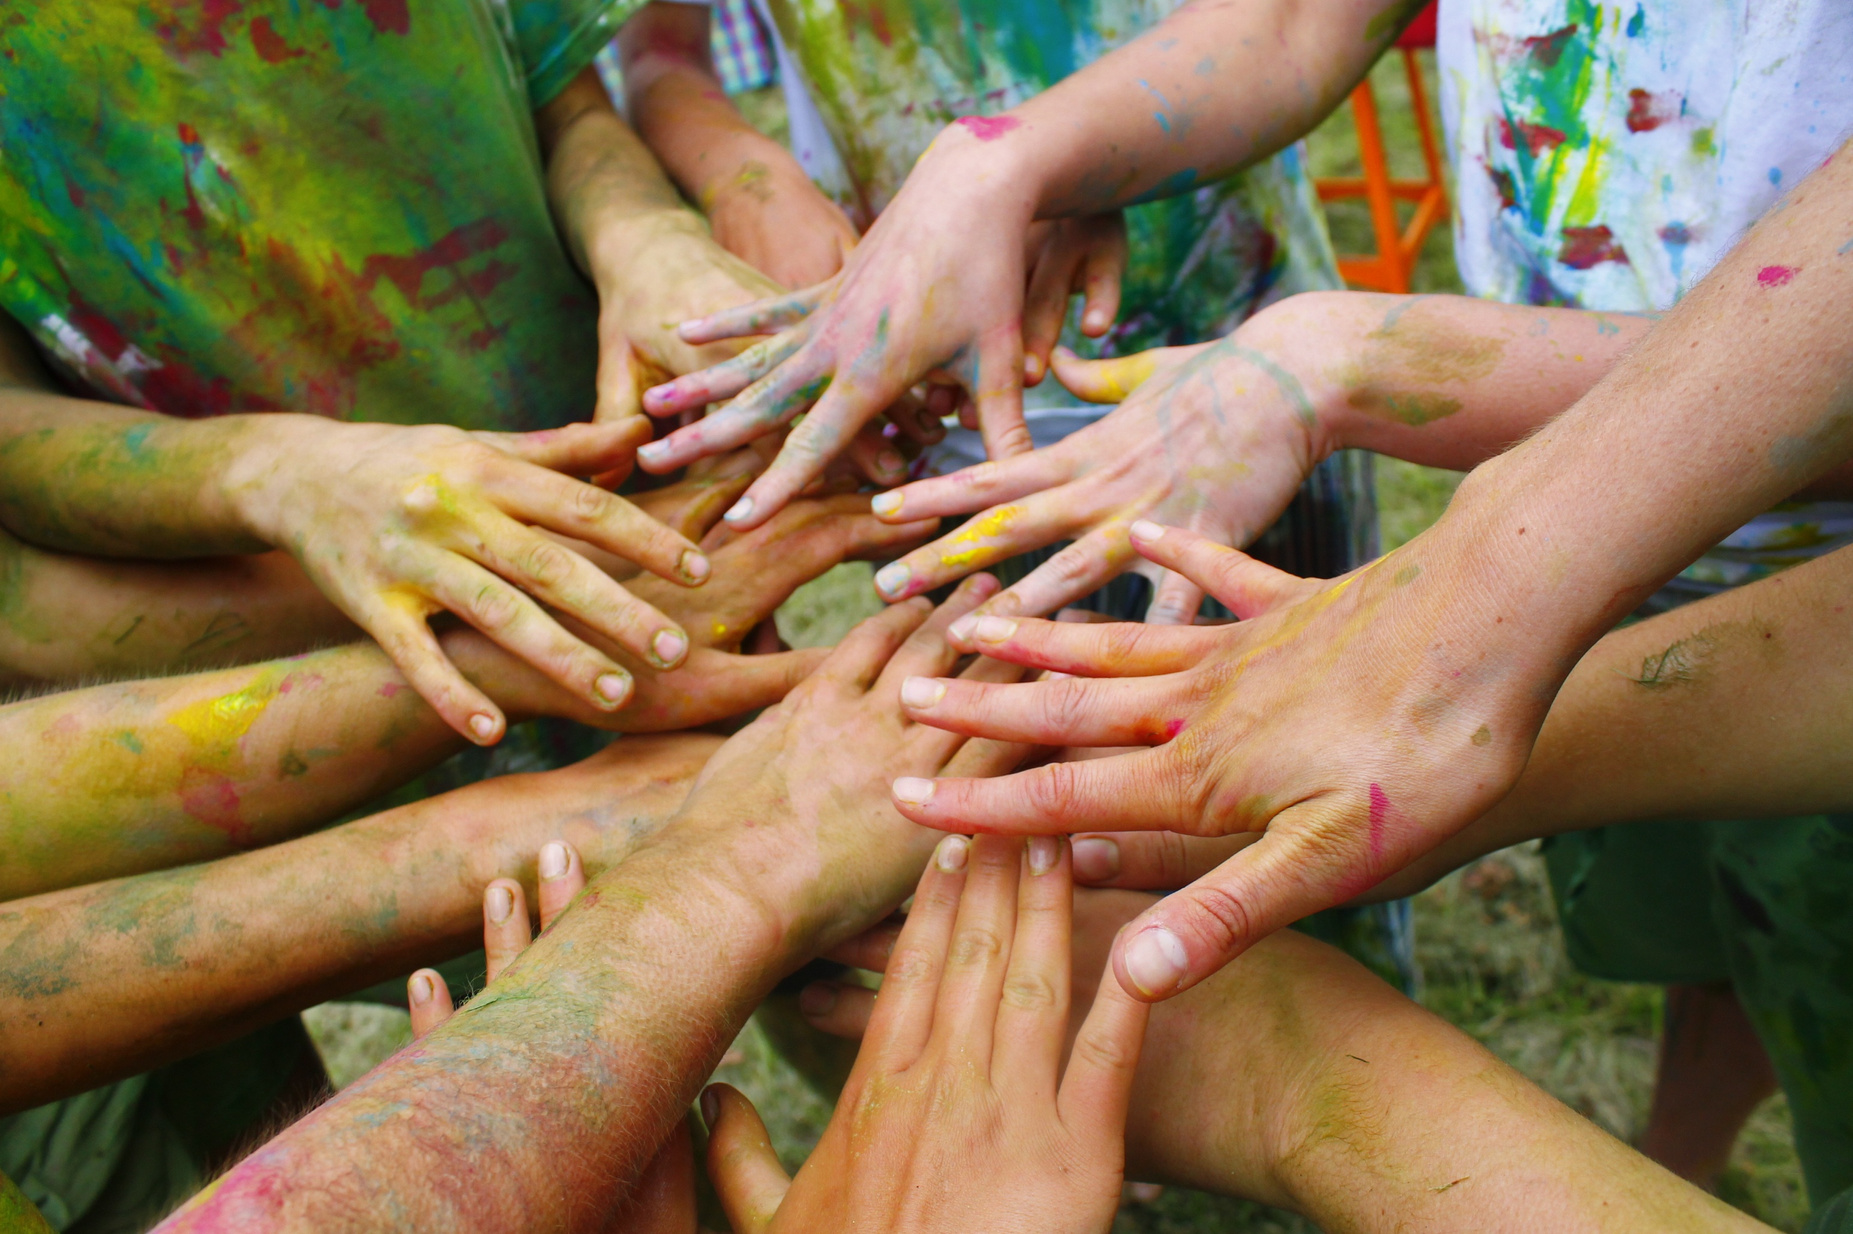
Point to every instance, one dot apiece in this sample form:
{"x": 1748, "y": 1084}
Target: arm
{"x": 1361, "y": 721}
{"x": 1218, "y": 437}
{"x": 938, "y": 283}
{"x": 141, "y": 775}
{"x": 112, "y": 979}
{"x": 603, "y": 1030}
{"x": 762, "y": 206}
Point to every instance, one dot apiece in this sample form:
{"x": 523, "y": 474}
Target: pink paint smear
{"x": 988, "y": 128}
{"x": 1775, "y": 276}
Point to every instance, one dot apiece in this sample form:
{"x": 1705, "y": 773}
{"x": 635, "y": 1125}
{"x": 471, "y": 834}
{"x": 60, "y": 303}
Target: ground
{"x": 1486, "y": 937}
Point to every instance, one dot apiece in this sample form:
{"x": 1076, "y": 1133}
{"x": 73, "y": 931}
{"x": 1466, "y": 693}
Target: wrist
{"x": 258, "y": 481}
{"x": 993, "y": 163}
{"x": 620, "y": 244}
{"x": 1287, "y": 341}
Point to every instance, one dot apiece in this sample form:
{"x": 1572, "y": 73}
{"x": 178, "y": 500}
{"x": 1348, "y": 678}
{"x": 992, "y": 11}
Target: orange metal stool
{"x": 1388, "y": 269}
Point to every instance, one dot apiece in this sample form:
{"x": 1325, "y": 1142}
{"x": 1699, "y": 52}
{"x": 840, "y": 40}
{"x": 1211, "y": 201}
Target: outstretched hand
{"x": 959, "y": 1114}
{"x": 1333, "y": 718}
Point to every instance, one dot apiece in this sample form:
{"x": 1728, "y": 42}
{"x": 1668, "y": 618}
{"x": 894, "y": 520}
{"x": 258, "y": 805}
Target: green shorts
{"x": 1766, "y": 905}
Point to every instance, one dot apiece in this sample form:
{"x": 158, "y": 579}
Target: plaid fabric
{"x": 737, "y": 39}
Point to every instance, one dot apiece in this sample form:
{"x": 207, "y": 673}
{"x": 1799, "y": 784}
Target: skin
{"x": 937, "y": 285}
{"x": 1297, "y": 1078}
{"x": 1727, "y": 708}
{"x": 604, "y": 1028}
{"x": 116, "y": 978}
{"x": 1446, "y": 381}
{"x": 1362, "y": 722}
{"x": 143, "y": 775}
{"x": 960, "y": 1113}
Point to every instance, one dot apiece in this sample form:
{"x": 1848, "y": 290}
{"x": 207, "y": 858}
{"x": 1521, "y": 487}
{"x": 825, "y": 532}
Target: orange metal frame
{"x": 1388, "y": 269}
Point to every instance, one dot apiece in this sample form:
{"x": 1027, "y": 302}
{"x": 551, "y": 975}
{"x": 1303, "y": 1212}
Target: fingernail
{"x": 993, "y": 629}
{"x": 921, "y": 691}
{"x": 890, "y": 461}
{"x": 1096, "y": 860}
{"x": 817, "y": 998}
{"x": 885, "y": 504}
{"x": 950, "y": 856}
{"x": 653, "y": 452}
{"x": 710, "y": 1107}
{"x": 929, "y": 423}
{"x": 1145, "y": 529}
{"x": 742, "y": 510}
{"x": 1094, "y": 320}
{"x": 500, "y": 902}
{"x": 1032, "y": 369}
{"x": 1043, "y": 853}
{"x": 892, "y": 579}
{"x": 1155, "y": 961}
{"x": 694, "y": 565}
{"x": 483, "y": 726}
{"x": 913, "y": 790}
{"x": 613, "y": 687}
{"x": 1072, "y": 615}
{"x": 668, "y": 646}
{"x": 961, "y": 630}
{"x": 553, "y": 860}
{"x": 422, "y": 989}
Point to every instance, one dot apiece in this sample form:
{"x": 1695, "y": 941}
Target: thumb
{"x": 576, "y": 449}
{"x": 1247, "y": 586}
{"x": 620, "y": 382}
{"x": 1111, "y": 381}
{"x": 663, "y": 1201}
{"x": 741, "y": 1164}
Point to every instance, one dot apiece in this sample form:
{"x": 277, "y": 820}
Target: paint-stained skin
{"x": 195, "y": 216}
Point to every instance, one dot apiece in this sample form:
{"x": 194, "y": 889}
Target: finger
{"x": 405, "y": 636}
{"x": 966, "y": 1013}
{"x": 1297, "y": 869}
{"x": 975, "y": 488}
{"x": 840, "y": 412}
{"x": 999, "y": 394}
{"x": 1091, "y": 649}
{"x": 1128, "y": 792}
{"x": 506, "y": 931}
{"x": 575, "y": 449}
{"x": 559, "y": 503}
{"x": 742, "y": 1166}
{"x": 1247, "y": 586}
{"x": 1045, "y": 307}
{"x": 837, "y": 1008}
{"x": 1063, "y": 711}
{"x": 1175, "y": 601}
{"x": 618, "y": 384}
{"x": 1152, "y": 860}
{"x": 913, "y": 420}
{"x": 693, "y": 391}
{"x": 1101, "y": 275}
{"x": 902, "y": 1021}
{"x": 759, "y": 317}
{"x": 1098, "y": 1084}
{"x": 715, "y": 685}
{"x": 1076, "y": 571}
{"x": 1111, "y": 381}
{"x": 870, "y": 949}
{"x": 859, "y": 659}
{"x": 663, "y": 1199}
{"x": 1032, "y": 1016}
{"x": 875, "y": 457}
{"x": 427, "y": 997}
{"x": 993, "y": 536}
{"x": 763, "y": 406}
{"x": 562, "y": 876}
{"x": 928, "y": 652}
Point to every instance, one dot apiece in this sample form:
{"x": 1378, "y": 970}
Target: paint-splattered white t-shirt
{"x": 1607, "y": 155}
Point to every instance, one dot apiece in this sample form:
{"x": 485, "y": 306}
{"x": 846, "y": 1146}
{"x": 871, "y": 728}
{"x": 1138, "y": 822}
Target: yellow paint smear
{"x": 223, "y": 720}
{"x": 975, "y": 533}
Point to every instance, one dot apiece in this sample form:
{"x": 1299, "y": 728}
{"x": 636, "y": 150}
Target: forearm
{"x": 1212, "y": 88}
{"x": 1343, "y": 1100}
{"x": 112, "y": 979}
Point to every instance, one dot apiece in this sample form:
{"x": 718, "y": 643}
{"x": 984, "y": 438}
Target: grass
{"x": 1486, "y": 936}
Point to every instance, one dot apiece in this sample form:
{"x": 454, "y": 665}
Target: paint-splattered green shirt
{"x": 329, "y": 206}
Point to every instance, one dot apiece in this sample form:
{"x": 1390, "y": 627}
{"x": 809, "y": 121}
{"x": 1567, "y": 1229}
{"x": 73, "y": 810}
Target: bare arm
{"x": 111, "y": 979}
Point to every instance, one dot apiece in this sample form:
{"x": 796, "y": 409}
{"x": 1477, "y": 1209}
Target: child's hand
{"x": 397, "y": 523}
{"x": 959, "y": 1115}
{"x": 773, "y": 218}
{"x": 1085, "y": 257}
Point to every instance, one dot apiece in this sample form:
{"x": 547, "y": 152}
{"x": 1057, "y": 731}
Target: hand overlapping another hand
{"x": 1342, "y": 718}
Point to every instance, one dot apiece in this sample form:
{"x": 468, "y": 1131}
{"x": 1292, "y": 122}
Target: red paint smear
{"x": 1379, "y": 810}
{"x": 391, "y": 689}
{"x": 1775, "y": 276}
{"x": 1173, "y": 728}
{"x": 388, "y": 16}
{"x": 74, "y": 191}
{"x": 408, "y": 273}
{"x": 988, "y": 128}
{"x": 1538, "y": 137}
{"x": 1547, "y": 49}
{"x": 270, "y": 45}
{"x": 1647, "y": 112}
{"x": 202, "y": 28}
{"x": 213, "y": 800}
{"x": 1584, "y": 247}
{"x": 872, "y": 16}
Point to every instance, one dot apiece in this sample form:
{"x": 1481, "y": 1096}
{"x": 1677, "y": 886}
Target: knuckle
{"x": 1029, "y": 992}
{"x": 1101, "y": 1052}
{"x": 1220, "y": 918}
{"x": 1050, "y": 790}
{"x": 546, "y": 563}
{"x": 1065, "y": 706}
{"x": 590, "y": 504}
{"x": 974, "y": 945}
{"x": 494, "y": 608}
{"x": 1070, "y": 567}
{"x": 909, "y": 966}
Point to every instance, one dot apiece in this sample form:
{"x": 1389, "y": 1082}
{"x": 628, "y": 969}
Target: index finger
{"x": 759, "y": 317}
{"x": 563, "y": 504}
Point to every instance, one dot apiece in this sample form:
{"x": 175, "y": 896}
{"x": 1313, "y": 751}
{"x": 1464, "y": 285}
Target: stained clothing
{"x": 1605, "y": 157}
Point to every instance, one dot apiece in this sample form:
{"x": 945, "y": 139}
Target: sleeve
{"x": 555, "y": 39}
{"x": 1833, "y": 1217}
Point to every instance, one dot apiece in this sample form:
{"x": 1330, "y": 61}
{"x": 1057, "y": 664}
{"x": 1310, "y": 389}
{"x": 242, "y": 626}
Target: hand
{"x": 1218, "y": 437}
{"x": 772, "y": 217}
{"x": 395, "y": 524}
{"x": 928, "y": 291}
{"x": 959, "y": 1115}
{"x": 1330, "y": 717}
{"x": 1084, "y": 256}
